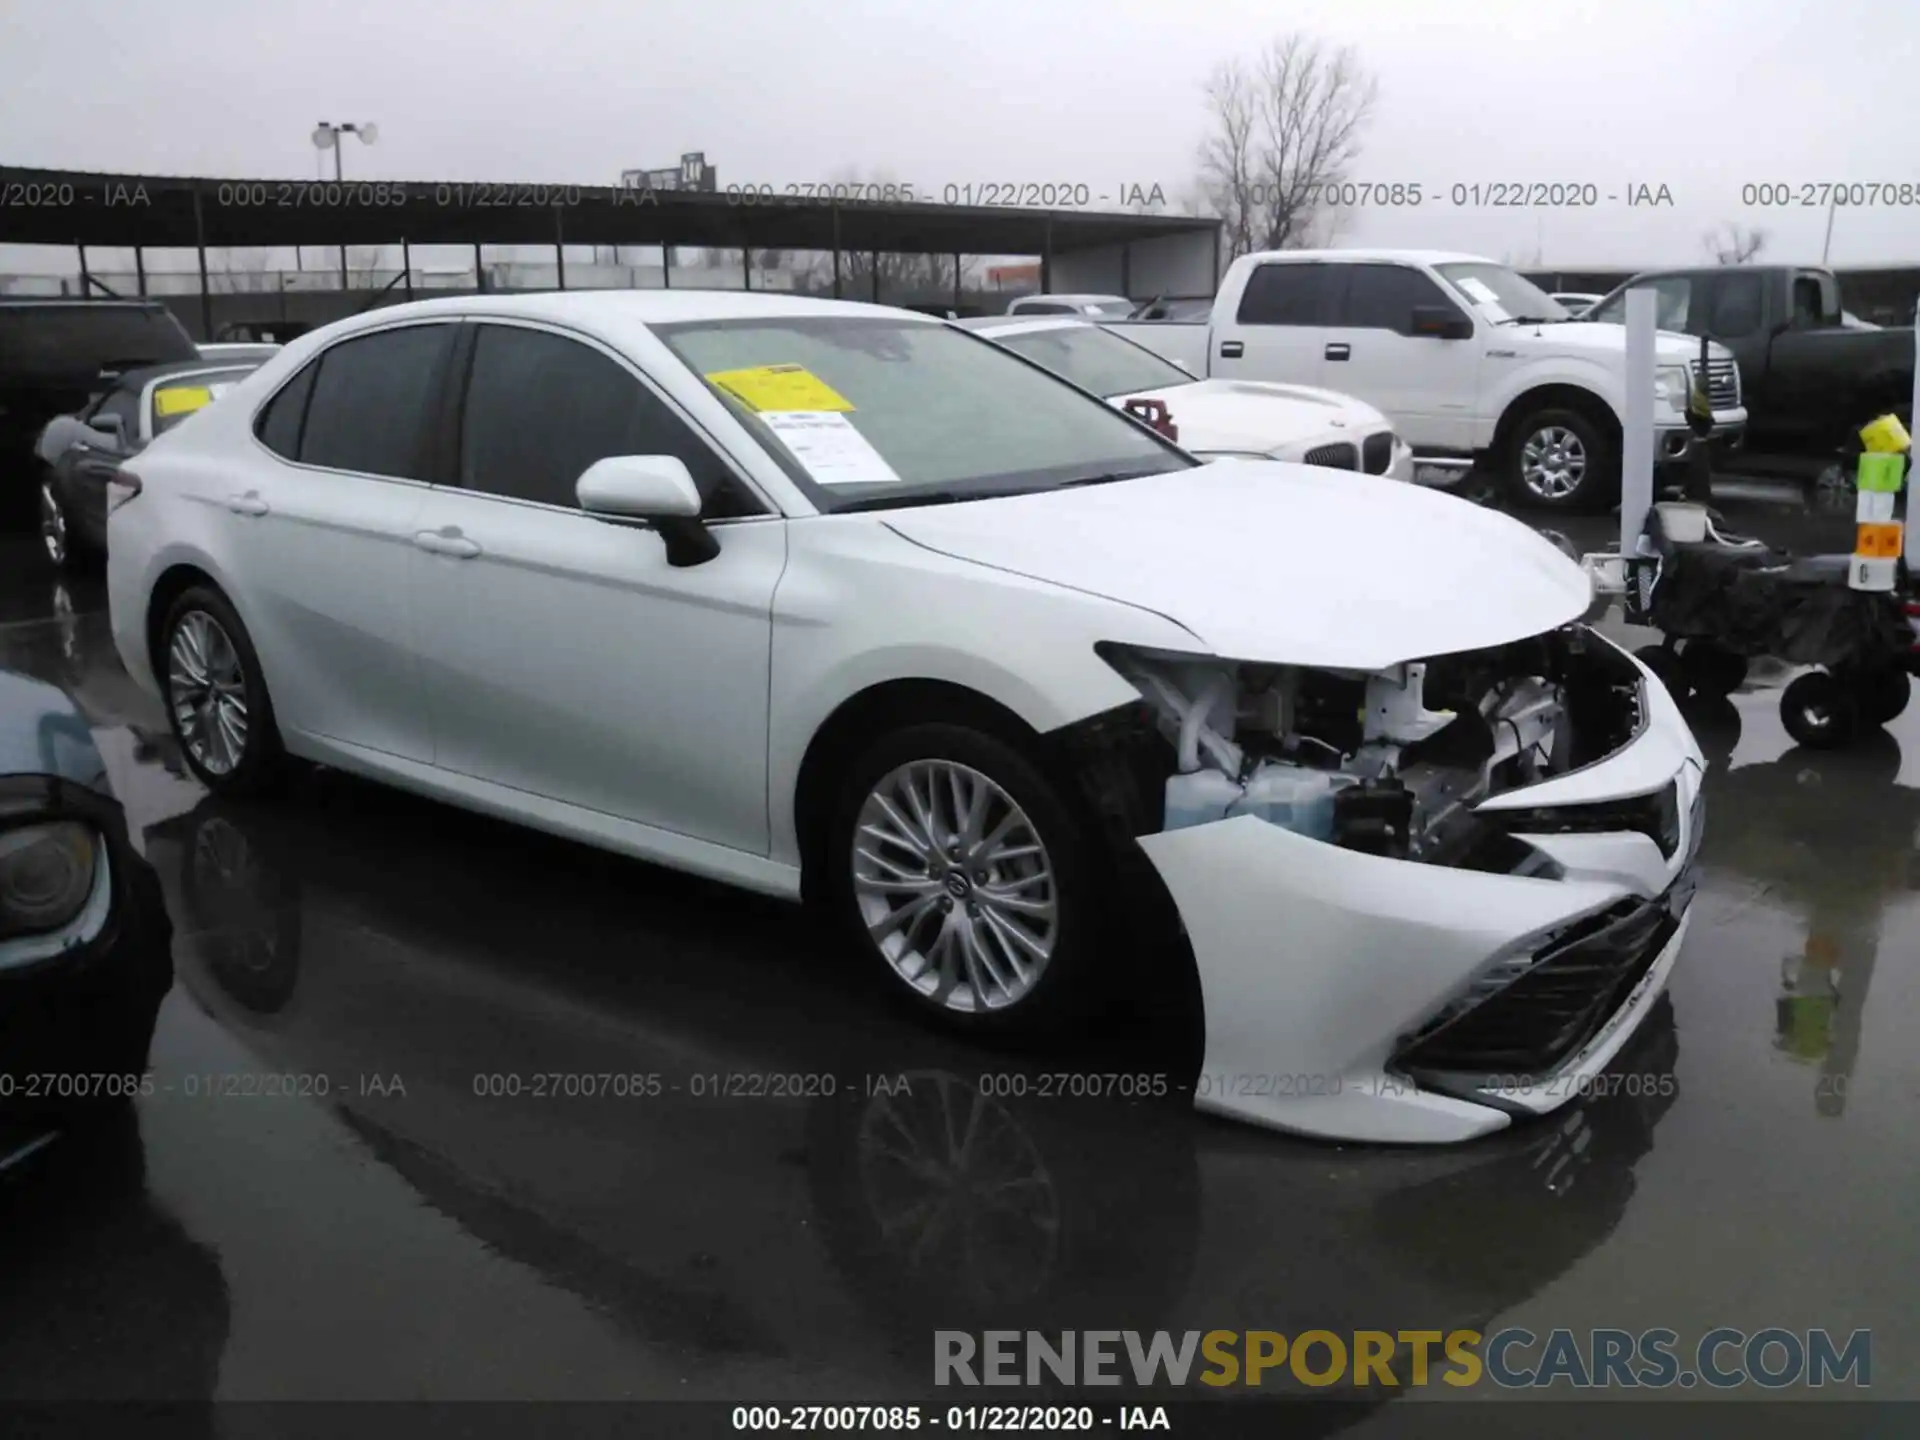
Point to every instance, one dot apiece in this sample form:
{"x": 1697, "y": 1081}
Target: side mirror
{"x": 657, "y": 489}
{"x": 1441, "y": 322}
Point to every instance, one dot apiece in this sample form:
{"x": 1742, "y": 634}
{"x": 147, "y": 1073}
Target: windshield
{"x": 1096, "y": 359}
{"x": 882, "y": 410}
{"x": 175, "y": 399}
{"x": 1502, "y": 294}
{"x": 1109, "y": 309}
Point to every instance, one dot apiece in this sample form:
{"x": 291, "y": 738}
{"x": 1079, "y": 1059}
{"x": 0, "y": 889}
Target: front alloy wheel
{"x": 206, "y": 683}
{"x": 955, "y": 886}
{"x": 53, "y": 526}
{"x": 1553, "y": 464}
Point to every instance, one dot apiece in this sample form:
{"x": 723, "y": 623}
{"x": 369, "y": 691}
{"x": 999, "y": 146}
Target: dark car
{"x": 85, "y": 943}
{"x": 58, "y": 355}
{"x": 80, "y": 453}
{"x": 1810, "y": 379}
{"x": 261, "y": 332}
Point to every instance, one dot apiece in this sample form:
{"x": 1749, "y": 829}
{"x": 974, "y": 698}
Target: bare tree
{"x": 237, "y": 270}
{"x": 1734, "y": 244}
{"x": 363, "y": 263}
{"x": 1285, "y": 129}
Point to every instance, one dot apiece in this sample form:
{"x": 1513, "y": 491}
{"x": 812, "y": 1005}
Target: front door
{"x": 563, "y": 655}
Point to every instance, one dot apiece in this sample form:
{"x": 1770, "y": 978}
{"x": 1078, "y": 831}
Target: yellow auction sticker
{"x": 780, "y": 387}
{"x": 181, "y": 399}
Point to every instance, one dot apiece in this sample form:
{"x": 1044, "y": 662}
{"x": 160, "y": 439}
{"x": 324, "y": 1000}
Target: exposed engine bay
{"x": 1393, "y": 762}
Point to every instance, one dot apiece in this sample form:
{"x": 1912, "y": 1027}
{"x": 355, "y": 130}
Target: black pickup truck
{"x": 1809, "y": 376}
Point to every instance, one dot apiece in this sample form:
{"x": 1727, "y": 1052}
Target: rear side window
{"x": 1286, "y": 294}
{"x": 371, "y": 406}
{"x": 541, "y": 408}
{"x": 279, "y": 424}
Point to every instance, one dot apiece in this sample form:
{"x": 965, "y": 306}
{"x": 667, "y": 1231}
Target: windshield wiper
{"x": 921, "y": 497}
{"x": 1105, "y": 479}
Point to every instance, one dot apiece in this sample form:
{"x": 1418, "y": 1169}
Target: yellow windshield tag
{"x": 181, "y": 399}
{"x": 774, "y": 388}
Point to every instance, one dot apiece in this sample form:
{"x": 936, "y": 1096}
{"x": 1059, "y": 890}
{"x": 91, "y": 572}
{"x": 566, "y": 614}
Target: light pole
{"x": 326, "y": 136}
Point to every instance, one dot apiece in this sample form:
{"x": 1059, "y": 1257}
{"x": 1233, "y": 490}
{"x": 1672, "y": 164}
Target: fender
{"x": 1578, "y": 372}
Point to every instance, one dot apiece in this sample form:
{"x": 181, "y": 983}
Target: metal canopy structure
{"x": 87, "y": 208}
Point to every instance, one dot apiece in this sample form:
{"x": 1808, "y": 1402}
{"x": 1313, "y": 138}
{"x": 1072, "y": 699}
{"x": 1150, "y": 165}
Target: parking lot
{"x": 335, "y": 1191}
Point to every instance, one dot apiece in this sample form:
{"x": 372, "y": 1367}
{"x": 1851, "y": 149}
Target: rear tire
{"x": 1559, "y": 458}
{"x": 1713, "y": 669}
{"x": 1883, "y": 695}
{"x": 1666, "y": 666}
{"x": 959, "y": 868}
{"x": 216, "y": 696}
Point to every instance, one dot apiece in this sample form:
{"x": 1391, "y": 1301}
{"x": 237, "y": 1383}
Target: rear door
{"x": 1280, "y": 329}
{"x": 324, "y": 534}
{"x": 1425, "y": 385}
{"x": 564, "y": 656}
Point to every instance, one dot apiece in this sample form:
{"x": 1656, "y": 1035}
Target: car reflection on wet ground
{"x": 786, "y": 1186}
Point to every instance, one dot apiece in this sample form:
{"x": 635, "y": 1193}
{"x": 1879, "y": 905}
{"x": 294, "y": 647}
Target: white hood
{"x": 1580, "y": 337}
{"x": 1251, "y": 415}
{"x": 1268, "y": 561}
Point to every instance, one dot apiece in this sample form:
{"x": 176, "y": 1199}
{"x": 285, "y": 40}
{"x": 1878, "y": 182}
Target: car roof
{"x": 1417, "y": 257}
{"x": 647, "y": 307}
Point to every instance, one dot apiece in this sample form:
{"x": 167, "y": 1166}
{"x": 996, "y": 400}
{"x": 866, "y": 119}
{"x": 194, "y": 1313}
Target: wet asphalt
{"x": 393, "y": 1230}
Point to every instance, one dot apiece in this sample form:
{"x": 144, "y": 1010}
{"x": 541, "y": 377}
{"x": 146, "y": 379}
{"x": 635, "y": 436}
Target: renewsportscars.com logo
{"x": 1514, "y": 1359}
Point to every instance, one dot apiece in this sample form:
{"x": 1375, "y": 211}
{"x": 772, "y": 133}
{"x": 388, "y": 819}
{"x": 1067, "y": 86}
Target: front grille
{"x": 1335, "y": 457}
{"x": 1529, "y": 1019}
{"x": 1377, "y": 453}
{"x": 1723, "y": 383}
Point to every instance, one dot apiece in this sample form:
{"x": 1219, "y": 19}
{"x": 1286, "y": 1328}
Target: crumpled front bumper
{"x": 1319, "y": 965}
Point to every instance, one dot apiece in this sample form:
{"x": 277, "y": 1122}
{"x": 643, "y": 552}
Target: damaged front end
{"x": 1420, "y": 899}
{"x": 1389, "y": 762}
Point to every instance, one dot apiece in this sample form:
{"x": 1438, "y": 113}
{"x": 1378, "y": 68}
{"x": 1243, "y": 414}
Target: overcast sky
{"x": 1701, "y": 96}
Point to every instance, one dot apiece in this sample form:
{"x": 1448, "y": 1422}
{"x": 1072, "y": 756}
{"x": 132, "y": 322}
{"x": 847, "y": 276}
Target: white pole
{"x": 1636, "y": 438}
{"x": 1912, "y": 512}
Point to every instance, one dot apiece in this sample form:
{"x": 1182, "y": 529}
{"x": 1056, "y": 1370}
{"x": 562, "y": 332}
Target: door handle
{"x": 1339, "y": 352}
{"x": 1232, "y": 349}
{"x": 248, "y": 504}
{"x": 452, "y": 544}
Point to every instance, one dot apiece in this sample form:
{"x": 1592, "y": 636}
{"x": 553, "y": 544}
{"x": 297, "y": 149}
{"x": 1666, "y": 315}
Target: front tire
{"x": 1820, "y": 712}
{"x": 968, "y": 879}
{"x": 216, "y": 695}
{"x": 1560, "y": 459}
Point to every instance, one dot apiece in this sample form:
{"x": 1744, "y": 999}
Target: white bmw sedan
{"x": 1214, "y": 419}
{"x": 828, "y": 599}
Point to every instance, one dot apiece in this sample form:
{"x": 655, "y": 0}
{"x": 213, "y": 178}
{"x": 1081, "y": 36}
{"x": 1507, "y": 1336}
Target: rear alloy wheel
{"x": 965, "y": 875}
{"x": 216, "y": 697}
{"x": 53, "y": 528}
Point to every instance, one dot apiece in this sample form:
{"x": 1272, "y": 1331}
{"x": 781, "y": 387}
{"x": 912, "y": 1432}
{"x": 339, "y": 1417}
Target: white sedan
{"x": 1211, "y": 418}
{"x": 828, "y": 599}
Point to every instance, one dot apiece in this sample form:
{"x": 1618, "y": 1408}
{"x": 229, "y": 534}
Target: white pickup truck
{"x": 1475, "y": 365}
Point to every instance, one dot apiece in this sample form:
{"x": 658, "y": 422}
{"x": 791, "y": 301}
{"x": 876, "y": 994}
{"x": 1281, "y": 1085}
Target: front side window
{"x": 875, "y": 411}
{"x": 372, "y": 402}
{"x": 541, "y": 408}
{"x": 1096, "y": 360}
{"x": 1383, "y": 297}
